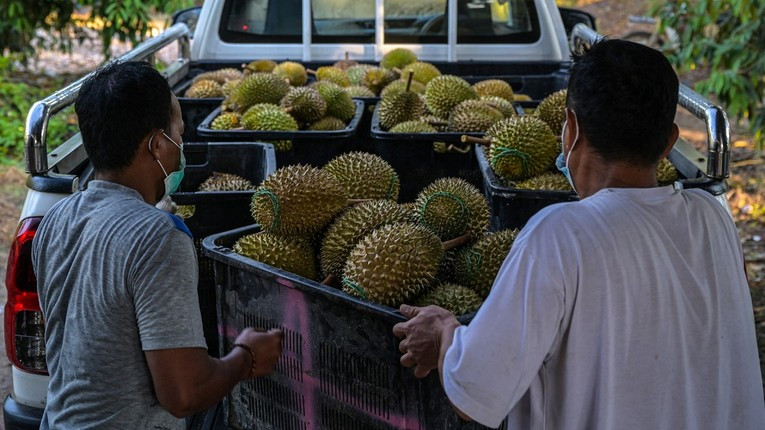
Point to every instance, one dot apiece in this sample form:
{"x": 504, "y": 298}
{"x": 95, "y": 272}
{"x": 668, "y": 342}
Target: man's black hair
{"x": 117, "y": 107}
{"x": 625, "y": 98}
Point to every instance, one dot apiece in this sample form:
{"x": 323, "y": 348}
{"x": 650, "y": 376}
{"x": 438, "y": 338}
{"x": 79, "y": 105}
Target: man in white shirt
{"x": 627, "y": 310}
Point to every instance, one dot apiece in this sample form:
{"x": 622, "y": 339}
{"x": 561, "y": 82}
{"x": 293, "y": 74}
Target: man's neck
{"x": 597, "y": 174}
{"x": 130, "y": 178}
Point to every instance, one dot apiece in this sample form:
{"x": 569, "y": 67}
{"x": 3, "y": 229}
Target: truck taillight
{"x": 24, "y": 325}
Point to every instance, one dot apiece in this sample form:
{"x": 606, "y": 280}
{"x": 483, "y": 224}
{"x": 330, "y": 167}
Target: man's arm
{"x": 187, "y": 380}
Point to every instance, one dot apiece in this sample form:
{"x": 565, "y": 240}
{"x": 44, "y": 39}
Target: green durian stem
{"x": 478, "y": 140}
{"x": 457, "y": 241}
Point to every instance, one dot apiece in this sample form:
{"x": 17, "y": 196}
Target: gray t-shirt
{"x": 627, "y": 310}
{"x": 116, "y": 277}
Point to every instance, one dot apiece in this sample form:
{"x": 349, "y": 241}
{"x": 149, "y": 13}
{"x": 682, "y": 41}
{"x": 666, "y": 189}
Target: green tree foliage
{"x": 26, "y": 24}
{"x": 727, "y": 37}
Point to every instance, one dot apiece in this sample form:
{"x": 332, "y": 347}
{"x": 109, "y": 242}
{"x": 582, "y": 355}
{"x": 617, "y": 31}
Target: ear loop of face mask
{"x": 156, "y": 159}
{"x": 560, "y": 163}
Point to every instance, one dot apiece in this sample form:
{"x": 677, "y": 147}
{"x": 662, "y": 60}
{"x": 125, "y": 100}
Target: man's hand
{"x": 423, "y": 337}
{"x": 266, "y": 346}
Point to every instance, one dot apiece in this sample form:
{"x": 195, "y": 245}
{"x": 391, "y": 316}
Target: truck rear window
{"x": 406, "y": 21}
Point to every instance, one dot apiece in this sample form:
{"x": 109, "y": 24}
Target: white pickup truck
{"x": 515, "y": 39}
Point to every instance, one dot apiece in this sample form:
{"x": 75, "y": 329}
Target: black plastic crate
{"x": 512, "y": 207}
{"x": 417, "y": 164}
{"x": 363, "y": 138}
{"x": 340, "y": 367}
{"x": 193, "y": 111}
{"x": 219, "y": 210}
{"x": 308, "y": 147}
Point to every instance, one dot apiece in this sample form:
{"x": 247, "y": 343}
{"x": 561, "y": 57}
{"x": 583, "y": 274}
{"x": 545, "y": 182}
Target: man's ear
{"x": 151, "y": 142}
{"x": 673, "y": 135}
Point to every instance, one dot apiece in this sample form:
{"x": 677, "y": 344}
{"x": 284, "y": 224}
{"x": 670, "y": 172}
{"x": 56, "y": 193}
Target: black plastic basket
{"x": 363, "y": 138}
{"x": 339, "y": 368}
{"x": 418, "y": 164}
{"x": 512, "y": 207}
{"x": 219, "y": 210}
{"x": 193, "y": 111}
{"x": 308, "y": 147}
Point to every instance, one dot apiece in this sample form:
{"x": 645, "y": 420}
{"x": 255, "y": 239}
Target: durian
{"x": 259, "y": 66}
{"x": 339, "y": 103}
{"x": 398, "y": 108}
{"x": 440, "y": 124}
{"x": 305, "y": 104}
{"x": 551, "y": 110}
{"x": 494, "y": 87}
{"x": 546, "y": 181}
{"x": 399, "y": 86}
{"x": 415, "y": 126}
{"x": 328, "y": 123}
{"x": 423, "y": 72}
{"x": 220, "y": 76}
{"x": 293, "y": 73}
{"x": 666, "y": 172}
{"x": 352, "y": 226}
{"x": 334, "y": 75}
{"x": 270, "y": 119}
{"x": 477, "y": 266}
{"x": 259, "y": 88}
{"x": 451, "y": 207}
{"x": 393, "y": 264}
{"x": 229, "y": 87}
{"x": 287, "y": 253}
{"x": 473, "y": 116}
{"x": 443, "y": 93}
{"x": 226, "y": 121}
{"x": 204, "y": 89}
{"x": 185, "y": 211}
{"x": 454, "y": 298}
{"x": 376, "y": 79}
{"x": 356, "y": 73}
{"x": 365, "y": 176}
{"x": 507, "y": 108}
{"x": 298, "y": 200}
{"x": 226, "y": 182}
{"x": 398, "y": 58}
{"x": 359, "y": 91}
{"x": 521, "y": 147}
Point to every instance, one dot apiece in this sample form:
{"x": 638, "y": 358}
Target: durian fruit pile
{"x": 342, "y": 224}
{"x": 443, "y": 103}
{"x": 213, "y": 84}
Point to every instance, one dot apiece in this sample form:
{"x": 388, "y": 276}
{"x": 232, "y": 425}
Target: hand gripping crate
{"x": 217, "y": 211}
{"x": 512, "y": 207}
{"x": 308, "y": 147}
{"x": 339, "y": 368}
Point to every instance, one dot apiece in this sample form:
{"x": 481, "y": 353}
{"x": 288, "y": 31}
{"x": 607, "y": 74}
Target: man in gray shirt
{"x": 117, "y": 277}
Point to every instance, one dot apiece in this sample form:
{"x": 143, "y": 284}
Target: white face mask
{"x": 172, "y": 180}
{"x": 560, "y": 163}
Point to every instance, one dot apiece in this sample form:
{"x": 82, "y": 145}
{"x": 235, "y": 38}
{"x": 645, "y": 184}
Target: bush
{"x": 26, "y": 25}
{"x": 16, "y": 97}
{"x": 726, "y": 37}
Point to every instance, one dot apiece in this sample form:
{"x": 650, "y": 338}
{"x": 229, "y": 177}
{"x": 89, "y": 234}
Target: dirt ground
{"x": 746, "y": 197}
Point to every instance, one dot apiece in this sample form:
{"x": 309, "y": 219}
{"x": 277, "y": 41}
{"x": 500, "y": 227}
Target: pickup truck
{"x": 516, "y": 39}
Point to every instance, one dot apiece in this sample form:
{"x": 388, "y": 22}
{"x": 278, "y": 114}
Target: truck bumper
{"x": 20, "y": 417}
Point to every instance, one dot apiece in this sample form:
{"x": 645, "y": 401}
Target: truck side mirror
{"x": 189, "y": 17}
{"x": 572, "y": 17}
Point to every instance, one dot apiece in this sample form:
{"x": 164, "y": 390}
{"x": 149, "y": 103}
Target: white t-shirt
{"x": 627, "y": 310}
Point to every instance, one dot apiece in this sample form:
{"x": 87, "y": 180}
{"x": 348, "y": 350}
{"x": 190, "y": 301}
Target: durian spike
{"x": 457, "y": 241}
{"x": 478, "y": 140}
{"x": 409, "y": 81}
{"x": 357, "y": 201}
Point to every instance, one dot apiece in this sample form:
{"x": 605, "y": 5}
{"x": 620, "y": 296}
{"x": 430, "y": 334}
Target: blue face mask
{"x": 173, "y": 180}
{"x": 562, "y": 163}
